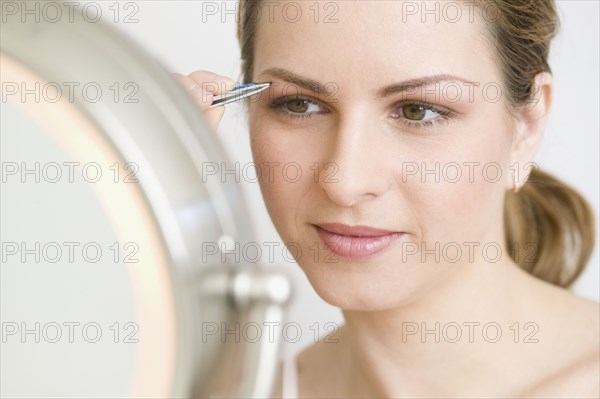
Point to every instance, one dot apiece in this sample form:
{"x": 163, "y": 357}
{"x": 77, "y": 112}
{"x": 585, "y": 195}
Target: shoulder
{"x": 320, "y": 366}
{"x": 307, "y": 364}
{"x": 581, "y": 377}
{"x": 574, "y": 344}
{"x": 277, "y": 391}
{"x": 578, "y": 320}
{"x": 578, "y": 380}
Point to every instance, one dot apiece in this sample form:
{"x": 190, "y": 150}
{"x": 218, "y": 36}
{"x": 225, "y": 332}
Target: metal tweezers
{"x": 239, "y": 93}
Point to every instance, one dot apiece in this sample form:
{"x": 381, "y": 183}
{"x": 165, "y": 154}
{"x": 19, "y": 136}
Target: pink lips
{"x": 355, "y": 242}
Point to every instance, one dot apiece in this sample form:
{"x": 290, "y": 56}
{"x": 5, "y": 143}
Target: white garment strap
{"x": 290, "y": 379}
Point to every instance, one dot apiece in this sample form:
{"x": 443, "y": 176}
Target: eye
{"x": 301, "y": 106}
{"x": 296, "y": 107}
{"x": 416, "y": 114}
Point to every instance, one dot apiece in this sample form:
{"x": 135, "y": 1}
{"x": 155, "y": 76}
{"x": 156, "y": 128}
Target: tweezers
{"x": 239, "y": 93}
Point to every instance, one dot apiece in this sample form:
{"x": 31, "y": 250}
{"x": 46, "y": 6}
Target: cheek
{"x": 457, "y": 189}
{"x": 286, "y": 176}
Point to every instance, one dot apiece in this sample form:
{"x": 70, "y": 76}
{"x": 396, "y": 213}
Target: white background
{"x": 174, "y": 32}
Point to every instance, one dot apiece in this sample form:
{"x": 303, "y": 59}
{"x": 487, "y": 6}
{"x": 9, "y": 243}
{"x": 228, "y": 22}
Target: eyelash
{"x": 443, "y": 115}
{"x": 280, "y": 102}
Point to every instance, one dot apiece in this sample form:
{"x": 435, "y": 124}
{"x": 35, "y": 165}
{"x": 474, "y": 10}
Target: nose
{"x": 355, "y": 168}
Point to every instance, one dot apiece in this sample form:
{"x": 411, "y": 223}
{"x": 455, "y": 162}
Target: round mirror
{"x": 112, "y": 279}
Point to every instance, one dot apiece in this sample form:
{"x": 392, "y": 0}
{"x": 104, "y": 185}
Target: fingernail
{"x": 225, "y": 82}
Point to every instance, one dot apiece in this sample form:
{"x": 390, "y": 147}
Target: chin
{"x": 347, "y": 288}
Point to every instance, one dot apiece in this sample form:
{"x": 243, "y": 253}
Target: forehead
{"x": 365, "y": 41}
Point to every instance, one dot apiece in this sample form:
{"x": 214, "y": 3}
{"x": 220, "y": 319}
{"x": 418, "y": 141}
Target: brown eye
{"x": 414, "y": 112}
{"x": 298, "y": 105}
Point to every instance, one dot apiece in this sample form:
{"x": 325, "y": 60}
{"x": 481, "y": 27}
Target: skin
{"x": 371, "y": 144}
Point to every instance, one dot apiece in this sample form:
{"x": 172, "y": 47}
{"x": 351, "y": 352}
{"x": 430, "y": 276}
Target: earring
{"x": 515, "y": 187}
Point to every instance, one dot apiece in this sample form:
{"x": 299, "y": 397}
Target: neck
{"x": 430, "y": 346}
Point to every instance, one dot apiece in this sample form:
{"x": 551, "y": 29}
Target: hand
{"x": 203, "y": 86}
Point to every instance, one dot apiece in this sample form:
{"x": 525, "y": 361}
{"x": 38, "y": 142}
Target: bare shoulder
{"x": 277, "y": 391}
{"x": 575, "y": 347}
{"x": 579, "y": 380}
{"x": 579, "y": 318}
{"x": 312, "y": 363}
{"x": 321, "y": 366}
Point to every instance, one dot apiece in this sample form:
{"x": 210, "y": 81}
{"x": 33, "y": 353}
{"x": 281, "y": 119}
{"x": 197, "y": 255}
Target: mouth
{"x": 356, "y": 242}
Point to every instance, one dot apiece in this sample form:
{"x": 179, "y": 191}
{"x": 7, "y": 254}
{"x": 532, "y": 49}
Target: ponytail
{"x": 549, "y": 229}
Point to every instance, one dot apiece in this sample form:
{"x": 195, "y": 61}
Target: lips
{"x": 356, "y": 242}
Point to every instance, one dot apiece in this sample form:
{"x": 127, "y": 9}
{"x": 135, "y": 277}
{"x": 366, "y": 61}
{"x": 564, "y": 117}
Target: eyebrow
{"x": 298, "y": 80}
{"x": 412, "y": 84}
{"x": 316, "y": 86}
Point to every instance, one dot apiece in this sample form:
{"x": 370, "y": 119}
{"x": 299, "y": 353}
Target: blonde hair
{"x": 545, "y": 214}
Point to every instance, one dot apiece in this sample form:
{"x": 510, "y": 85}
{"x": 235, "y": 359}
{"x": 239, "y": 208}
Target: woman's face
{"x": 411, "y": 139}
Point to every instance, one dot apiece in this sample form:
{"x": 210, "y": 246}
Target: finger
{"x": 212, "y": 82}
{"x": 203, "y": 87}
{"x": 214, "y": 116}
{"x": 202, "y": 98}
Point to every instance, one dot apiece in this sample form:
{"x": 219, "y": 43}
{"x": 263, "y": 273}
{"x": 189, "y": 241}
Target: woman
{"x": 419, "y": 211}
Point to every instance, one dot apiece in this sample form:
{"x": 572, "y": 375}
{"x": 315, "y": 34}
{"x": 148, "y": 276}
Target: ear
{"x": 530, "y": 124}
